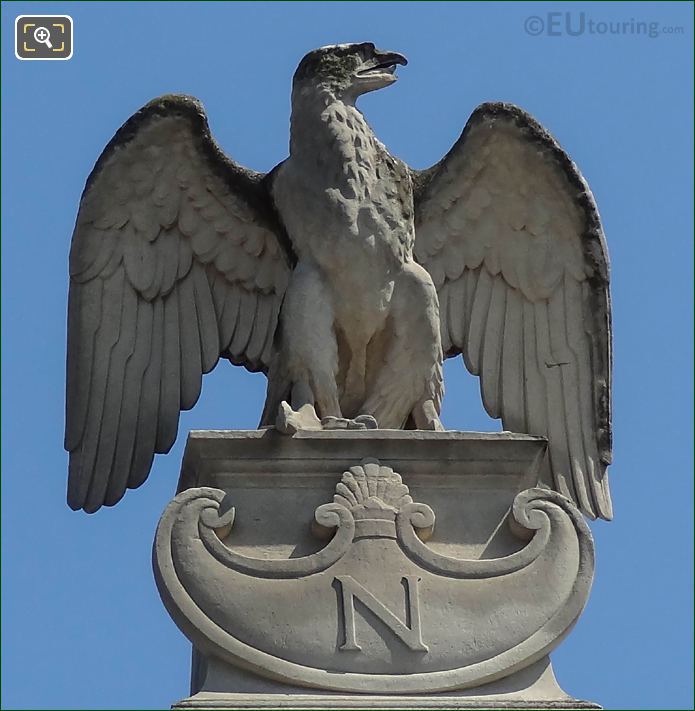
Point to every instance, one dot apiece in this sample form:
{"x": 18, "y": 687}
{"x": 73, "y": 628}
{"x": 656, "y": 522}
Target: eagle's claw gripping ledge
{"x": 290, "y": 421}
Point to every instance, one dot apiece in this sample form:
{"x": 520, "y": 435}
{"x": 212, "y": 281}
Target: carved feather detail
{"x": 509, "y": 231}
{"x": 177, "y": 258}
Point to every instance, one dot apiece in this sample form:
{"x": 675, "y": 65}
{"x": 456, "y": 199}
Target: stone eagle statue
{"x": 343, "y": 275}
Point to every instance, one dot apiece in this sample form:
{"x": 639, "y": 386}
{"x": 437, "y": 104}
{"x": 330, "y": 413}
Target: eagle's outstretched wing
{"x": 509, "y": 231}
{"x": 176, "y": 259}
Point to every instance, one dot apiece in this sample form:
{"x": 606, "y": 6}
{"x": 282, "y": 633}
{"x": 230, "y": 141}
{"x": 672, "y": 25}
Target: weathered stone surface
{"x": 365, "y": 569}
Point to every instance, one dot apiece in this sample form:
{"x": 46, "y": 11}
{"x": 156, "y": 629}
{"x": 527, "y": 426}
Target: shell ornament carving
{"x": 371, "y": 486}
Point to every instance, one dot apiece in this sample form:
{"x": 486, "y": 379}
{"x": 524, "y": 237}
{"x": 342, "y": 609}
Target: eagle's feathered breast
{"x": 358, "y": 197}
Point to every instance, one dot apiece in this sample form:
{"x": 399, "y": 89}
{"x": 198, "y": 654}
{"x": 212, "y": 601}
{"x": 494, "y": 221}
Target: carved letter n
{"x": 410, "y": 636}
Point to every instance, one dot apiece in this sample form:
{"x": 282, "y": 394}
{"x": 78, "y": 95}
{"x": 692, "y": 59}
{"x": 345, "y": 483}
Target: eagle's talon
{"x": 362, "y": 422}
{"x": 334, "y": 423}
{"x": 355, "y": 425}
{"x": 368, "y": 421}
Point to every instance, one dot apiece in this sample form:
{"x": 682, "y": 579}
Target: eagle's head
{"x": 347, "y": 70}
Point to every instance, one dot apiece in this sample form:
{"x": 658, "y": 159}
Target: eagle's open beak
{"x": 382, "y": 63}
{"x": 390, "y": 59}
{"x": 379, "y": 71}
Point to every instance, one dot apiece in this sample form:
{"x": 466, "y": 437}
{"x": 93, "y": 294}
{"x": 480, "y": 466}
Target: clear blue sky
{"x": 83, "y": 626}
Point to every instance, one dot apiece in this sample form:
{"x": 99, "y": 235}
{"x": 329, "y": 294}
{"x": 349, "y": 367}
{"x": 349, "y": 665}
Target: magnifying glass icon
{"x": 43, "y": 36}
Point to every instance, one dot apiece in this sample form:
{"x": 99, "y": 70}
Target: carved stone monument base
{"x": 371, "y": 569}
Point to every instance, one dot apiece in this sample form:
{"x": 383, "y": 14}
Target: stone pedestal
{"x": 371, "y": 569}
